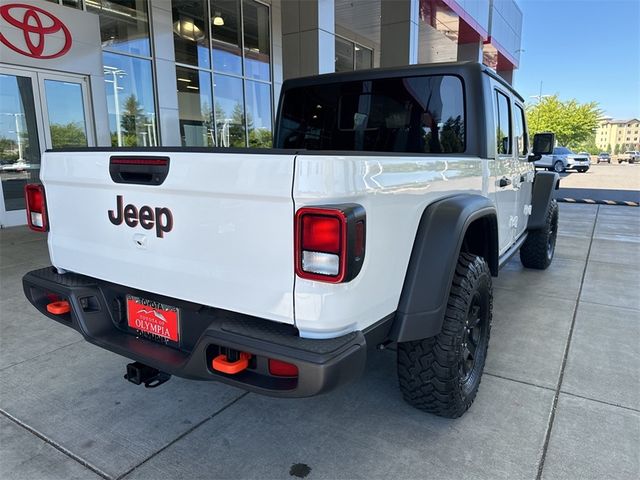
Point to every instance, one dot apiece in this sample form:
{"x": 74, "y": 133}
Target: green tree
{"x": 451, "y": 135}
{"x": 609, "y": 148}
{"x": 571, "y": 121}
{"x": 132, "y": 118}
{"x": 260, "y": 138}
{"x": 616, "y": 150}
{"x": 8, "y": 149}
{"x": 236, "y": 127}
{"x": 69, "y": 135}
{"x": 588, "y": 146}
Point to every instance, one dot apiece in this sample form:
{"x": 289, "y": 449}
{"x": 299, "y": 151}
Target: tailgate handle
{"x": 139, "y": 170}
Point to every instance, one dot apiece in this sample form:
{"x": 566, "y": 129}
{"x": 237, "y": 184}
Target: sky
{"x": 588, "y": 50}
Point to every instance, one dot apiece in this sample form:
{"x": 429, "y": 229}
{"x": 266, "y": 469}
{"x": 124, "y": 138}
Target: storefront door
{"x": 38, "y": 111}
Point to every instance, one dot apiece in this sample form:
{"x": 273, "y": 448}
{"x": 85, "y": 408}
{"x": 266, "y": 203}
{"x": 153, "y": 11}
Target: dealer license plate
{"x": 153, "y": 319}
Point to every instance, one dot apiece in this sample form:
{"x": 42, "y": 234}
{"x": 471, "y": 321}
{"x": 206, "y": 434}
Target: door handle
{"x": 503, "y": 182}
{"x": 139, "y": 170}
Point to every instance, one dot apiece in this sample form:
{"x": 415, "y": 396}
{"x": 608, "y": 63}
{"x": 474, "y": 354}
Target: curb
{"x": 598, "y": 202}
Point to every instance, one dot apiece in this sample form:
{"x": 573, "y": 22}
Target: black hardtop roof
{"x": 463, "y": 69}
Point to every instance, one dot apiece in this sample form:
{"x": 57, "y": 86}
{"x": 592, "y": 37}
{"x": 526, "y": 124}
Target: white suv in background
{"x": 630, "y": 156}
{"x": 563, "y": 159}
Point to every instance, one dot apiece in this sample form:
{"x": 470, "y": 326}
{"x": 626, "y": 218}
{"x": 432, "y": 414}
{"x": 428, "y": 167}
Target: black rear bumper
{"x": 99, "y": 314}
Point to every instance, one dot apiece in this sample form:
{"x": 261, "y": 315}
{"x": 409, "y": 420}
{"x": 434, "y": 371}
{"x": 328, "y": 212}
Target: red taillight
{"x": 36, "y": 207}
{"x": 320, "y": 244}
{"x": 321, "y": 233}
{"x": 282, "y": 369}
{"x": 329, "y": 242}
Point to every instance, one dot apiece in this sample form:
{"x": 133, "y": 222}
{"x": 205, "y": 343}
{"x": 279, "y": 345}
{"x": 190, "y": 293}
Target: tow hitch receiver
{"x": 229, "y": 365}
{"x": 139, "y": 373}
{"x": 59, "y": 308}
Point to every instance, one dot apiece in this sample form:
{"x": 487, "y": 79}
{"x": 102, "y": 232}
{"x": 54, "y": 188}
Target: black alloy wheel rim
{"x": 472, "y": 338}
{"x": 551, "y": 242}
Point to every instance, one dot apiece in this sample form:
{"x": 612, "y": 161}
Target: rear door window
{"x": 503, "y": 124}
{"x": 423, "y": 114}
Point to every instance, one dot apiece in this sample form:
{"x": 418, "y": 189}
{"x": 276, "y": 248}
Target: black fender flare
{"x": 544, "y": 184}
{"x": 433, "y": 261}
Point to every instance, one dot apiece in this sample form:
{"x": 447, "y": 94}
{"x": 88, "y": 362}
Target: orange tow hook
{"x": 221, "y": 364}
{"x": 59, "y": 308}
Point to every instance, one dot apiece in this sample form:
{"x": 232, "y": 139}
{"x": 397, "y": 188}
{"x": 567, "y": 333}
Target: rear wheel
{"x": 538, "y": 249}
{"x": 441, "y": 374}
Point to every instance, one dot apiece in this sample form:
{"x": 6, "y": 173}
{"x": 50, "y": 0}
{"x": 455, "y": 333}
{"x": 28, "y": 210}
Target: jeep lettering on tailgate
{"x": 147, "y": 217}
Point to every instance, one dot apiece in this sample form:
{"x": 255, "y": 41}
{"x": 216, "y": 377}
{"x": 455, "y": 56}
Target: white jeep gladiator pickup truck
{"x": 391, "y": 199}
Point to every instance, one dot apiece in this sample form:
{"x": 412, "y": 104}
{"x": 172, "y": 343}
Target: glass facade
{"x": 124, "y": 25}
{"x": 68, "y": 3}
{"x": 127, "y": 63}
{"x": 256, "y": 40}
{"x": 19, "y": 144}
{"x": 191, "y": 33}
{"x": 234, "y": 74}
{"x": 67, "y": 126}
{"x": 223, "y": 71}
{"x": 130, "y": 101}
{"x": 352, "y": 56}
{"x": 229, "y": 112}
{"x": 258, "y": 113}
{"x": 196, "y": 107}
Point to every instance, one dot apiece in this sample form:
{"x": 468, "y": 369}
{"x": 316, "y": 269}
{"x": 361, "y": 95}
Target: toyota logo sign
{"x": 37, "y": 26}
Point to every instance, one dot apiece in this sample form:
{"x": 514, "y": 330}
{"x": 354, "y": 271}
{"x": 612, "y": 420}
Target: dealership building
{"x": 124, "y": 73}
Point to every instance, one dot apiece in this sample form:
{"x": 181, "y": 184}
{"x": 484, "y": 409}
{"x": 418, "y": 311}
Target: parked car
{"x": 604, "y": 157}
{"x": 634, "y": 156}
{"x": 564, "y": 159}
{"x": 382, "y": 214}
{"x": 631, "y": 156}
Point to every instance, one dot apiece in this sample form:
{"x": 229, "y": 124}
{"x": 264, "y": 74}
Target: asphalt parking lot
{"x": 603, "y": 182}
{"x": 560, "y": 397}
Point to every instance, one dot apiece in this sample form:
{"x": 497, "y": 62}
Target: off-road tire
{"x": 431, "y": 371}
{"x": 538, "y": 249}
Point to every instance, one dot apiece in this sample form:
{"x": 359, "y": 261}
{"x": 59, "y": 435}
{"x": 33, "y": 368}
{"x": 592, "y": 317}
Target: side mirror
{"x": 543, "y": 144}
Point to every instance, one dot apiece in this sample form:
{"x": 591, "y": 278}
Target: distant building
{"x": 624, "y": 133}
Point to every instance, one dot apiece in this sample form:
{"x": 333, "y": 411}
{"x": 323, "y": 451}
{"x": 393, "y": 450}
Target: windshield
{"x": 561, "y": 151}
{"x": 414, "y": 114}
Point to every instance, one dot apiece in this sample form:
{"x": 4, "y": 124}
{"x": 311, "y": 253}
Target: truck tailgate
{"x": 228, "y": 244}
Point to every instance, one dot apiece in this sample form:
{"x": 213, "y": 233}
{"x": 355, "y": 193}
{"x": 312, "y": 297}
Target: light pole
{"x": 540, "y": 96}
{"x": 18, "y": 132}
{"x": 116, "y": 73}
{"x": 151, "y": 128}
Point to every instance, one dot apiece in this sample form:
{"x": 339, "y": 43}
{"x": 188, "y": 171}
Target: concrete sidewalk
{"x": 560, "y": 397}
